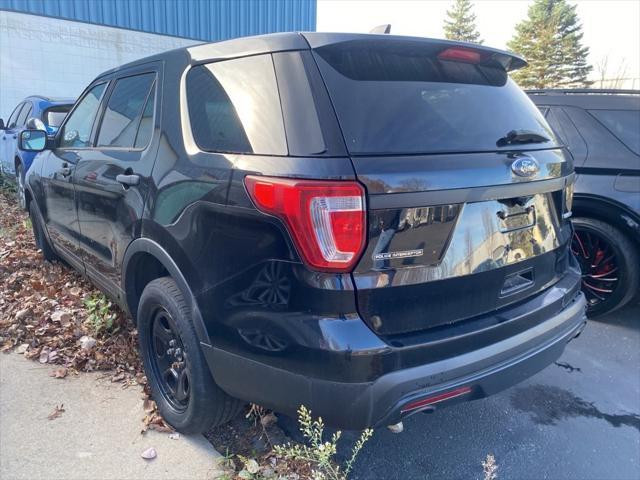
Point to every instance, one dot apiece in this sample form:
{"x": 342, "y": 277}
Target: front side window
{"x": 76, "y": 132}
{"x": 234, "y": 106}
{"x": 14, "y": 116}
{"x": 624, "y": 124}
{"x": 24, "y": 115}
{"x": 126, "y": 111}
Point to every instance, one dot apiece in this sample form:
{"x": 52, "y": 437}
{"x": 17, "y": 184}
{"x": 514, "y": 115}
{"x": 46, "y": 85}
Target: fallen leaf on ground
{"x": 59, "y": 410}
{"x": 59, "y": 372}
{"x": 149, "y": 454}
{"x": 60, "y": 316}
{"x": 44, "y": 355}
{"x": 149, "y": 405}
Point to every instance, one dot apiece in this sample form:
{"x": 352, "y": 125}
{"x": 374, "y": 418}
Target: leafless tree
{"x": 606, "y": 77}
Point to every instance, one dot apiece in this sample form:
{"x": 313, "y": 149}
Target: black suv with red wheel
{"x": 367, "y": 225}
{"x": 601, "y": 129}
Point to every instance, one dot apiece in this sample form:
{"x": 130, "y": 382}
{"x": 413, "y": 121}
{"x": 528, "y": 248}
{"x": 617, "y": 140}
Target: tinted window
{"x": 77, "y": 130}
{"x": 234, "y": 106}
{"x": 567, "y": 133}
{"x": 14, "y": 116}
{"x": 124, "y": 111}
{"x": 24, "y": 114}
{"x": 400, "y": 97}
{"x": 54, "y": 116}
{"x": 624, "y": 124}
{"x": 146, "y": 123}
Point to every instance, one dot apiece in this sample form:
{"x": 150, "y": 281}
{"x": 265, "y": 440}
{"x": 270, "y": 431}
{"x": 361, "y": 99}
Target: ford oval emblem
{"x": 525, "y": 167}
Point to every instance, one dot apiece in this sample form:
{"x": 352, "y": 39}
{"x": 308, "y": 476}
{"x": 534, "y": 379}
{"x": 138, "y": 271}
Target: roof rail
{"x": 582, "y": 91}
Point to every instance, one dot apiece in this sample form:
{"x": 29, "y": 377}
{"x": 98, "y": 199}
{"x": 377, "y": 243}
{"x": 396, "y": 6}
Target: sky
{"x": 611, "y": 27}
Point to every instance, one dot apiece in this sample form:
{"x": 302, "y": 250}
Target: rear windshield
{"x": 55, "y": 115}
{"x": 398, "y": 97}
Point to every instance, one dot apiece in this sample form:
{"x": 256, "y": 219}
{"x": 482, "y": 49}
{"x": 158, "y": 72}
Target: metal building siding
{"x": 208, "y": 20}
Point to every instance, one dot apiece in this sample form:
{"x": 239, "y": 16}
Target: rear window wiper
{"x": 521, "y": 136}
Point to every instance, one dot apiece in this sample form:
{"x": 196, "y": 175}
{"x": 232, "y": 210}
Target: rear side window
{"x": 126, "y": 109}
{"x": 399, "y": 97}
{"x": 54, "y": 116}
{"x": 76, "y": 132}
{"x": 624, "y": 124}
{"x": 234, "y": 106}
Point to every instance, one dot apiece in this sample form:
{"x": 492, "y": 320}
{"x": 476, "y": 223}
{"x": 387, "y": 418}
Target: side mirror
{"x": 32, "y": 140}
{"x": 2, "y": 127}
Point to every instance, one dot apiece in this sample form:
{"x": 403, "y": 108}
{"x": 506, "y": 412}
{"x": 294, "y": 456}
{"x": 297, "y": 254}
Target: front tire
{"x": 181, "y": 383}
{"x": 609, "y": 264}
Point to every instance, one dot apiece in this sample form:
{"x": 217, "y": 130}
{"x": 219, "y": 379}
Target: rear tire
{"x": 41, "y": 240}
{"x": 181, "y": 384}
{"x": 592, "y": 237}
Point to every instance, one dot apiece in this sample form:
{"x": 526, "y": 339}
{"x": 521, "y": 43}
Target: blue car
{"x": 36, "y": 112}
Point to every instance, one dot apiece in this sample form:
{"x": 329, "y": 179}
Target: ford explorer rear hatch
{"x": 465, "y": 180}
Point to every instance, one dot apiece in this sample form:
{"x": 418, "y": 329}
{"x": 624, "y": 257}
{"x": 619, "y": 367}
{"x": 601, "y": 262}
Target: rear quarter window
{"x": 234, "y": 106}
{"x": 624, "y": 124}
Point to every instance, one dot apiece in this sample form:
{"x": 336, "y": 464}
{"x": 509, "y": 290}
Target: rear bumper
{"x": 476, "y": 372}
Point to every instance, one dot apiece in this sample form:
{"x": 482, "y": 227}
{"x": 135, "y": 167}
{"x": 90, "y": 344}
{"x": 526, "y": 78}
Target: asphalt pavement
{"x": 577, "y": 419}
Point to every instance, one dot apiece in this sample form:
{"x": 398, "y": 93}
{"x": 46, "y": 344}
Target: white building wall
{"x": 59, "y": 58}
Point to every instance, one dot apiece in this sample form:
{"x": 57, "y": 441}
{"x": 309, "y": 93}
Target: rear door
{"x": 112, "y": 182}
{"x": 464, "y": 179}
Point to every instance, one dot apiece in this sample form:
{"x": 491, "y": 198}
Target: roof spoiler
{"x": 509, "y": 61}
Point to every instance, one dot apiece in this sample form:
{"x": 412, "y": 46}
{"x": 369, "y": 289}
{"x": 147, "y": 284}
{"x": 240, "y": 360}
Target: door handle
{"x": 15, "y": 136}
{"x": 128, "y": 180}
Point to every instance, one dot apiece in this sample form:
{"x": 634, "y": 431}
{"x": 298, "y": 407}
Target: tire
{"x": 162, "y": 305}
{"x": 603, "y": 297}
{"x": 20, "y": 193}
{"x": 48, "y": 253}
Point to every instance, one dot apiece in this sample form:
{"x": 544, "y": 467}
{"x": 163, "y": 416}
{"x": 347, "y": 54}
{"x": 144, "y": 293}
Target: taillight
{"x": 326, "y": 219}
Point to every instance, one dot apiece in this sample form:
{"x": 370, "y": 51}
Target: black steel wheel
{"x": 608, "y": 262}
{"x": 180, "y": 380}
{"x": 170, "y": 360}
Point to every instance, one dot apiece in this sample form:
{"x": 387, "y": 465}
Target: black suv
{"x": 368, "y": 225}
{"x": 601, "y": 129}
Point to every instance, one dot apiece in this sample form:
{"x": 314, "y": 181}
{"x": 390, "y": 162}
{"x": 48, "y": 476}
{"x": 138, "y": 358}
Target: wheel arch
{"x": 146, "y": 260}
{"x": 609, "y": 211}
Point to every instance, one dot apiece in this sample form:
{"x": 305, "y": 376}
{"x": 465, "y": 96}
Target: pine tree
{"x": 460, "y": 23}
{"x": 550, "y": 39}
